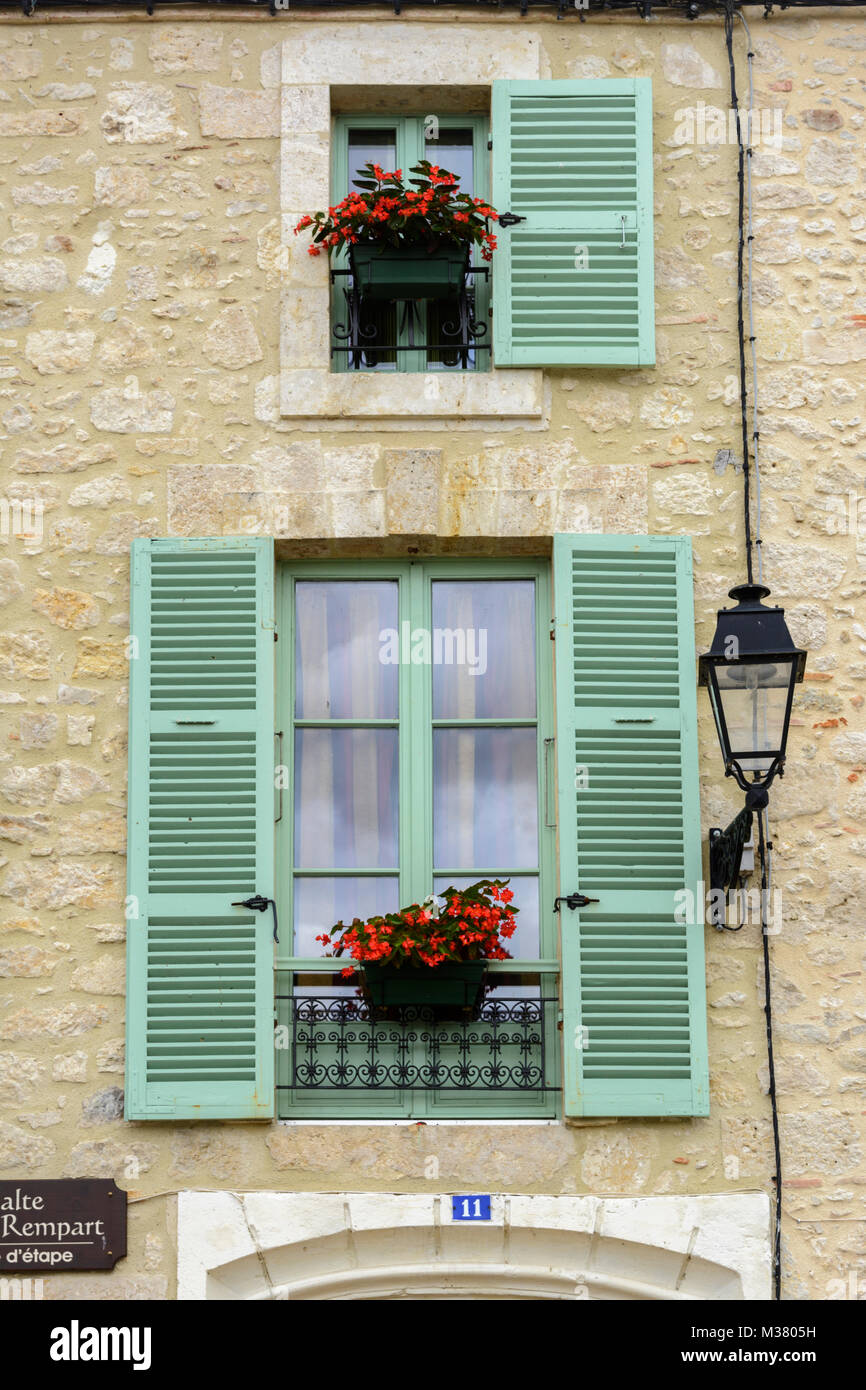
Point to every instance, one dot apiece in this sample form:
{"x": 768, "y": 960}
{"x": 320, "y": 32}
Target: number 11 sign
{"x": 471, "y": 1207}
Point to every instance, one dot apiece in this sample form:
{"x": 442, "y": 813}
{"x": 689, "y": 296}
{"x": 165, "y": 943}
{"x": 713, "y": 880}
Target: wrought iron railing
{"x": 359, "y": 340}
{"x": 342, "y": 1044}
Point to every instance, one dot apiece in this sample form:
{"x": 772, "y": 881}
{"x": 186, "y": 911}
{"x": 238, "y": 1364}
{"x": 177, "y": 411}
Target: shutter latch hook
{"x": 622, "y": 220}
{"x": 573, "y": 900}
{"x": 259, "y": 904}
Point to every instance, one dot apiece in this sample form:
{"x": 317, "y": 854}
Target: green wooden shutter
{"x": 201, "y": 812}
{"x": 575, "y": 159}
{"x": 634, "y": 994}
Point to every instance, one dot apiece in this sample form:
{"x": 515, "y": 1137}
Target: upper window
{"x": 412, "y": 334}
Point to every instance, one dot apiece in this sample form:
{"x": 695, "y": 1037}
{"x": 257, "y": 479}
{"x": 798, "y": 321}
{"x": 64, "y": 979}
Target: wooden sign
{"x": 64, "y": 1223}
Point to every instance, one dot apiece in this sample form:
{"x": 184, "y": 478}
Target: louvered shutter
{"x": 199, "y": 971}
{"x": 573, "y": 283}
{"x": 634, "y": 1031}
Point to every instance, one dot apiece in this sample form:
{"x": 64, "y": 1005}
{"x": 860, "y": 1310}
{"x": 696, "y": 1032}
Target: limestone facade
{"x": 164, "y": 372}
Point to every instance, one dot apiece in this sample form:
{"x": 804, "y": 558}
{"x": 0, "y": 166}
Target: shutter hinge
{"x": 552, "y": 633}
{"x": 276, "y": 635}
{"x": 490, "y": 144}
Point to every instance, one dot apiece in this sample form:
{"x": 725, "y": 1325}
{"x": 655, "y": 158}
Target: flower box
{"x": 383, "y": 272}
{"x": 430, "y": 955}
{"x": 406, "y": 240}
{"x": 456, "y": 985}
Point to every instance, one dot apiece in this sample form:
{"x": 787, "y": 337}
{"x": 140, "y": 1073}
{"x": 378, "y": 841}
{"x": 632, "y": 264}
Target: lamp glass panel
{"x": 754, "y": 698}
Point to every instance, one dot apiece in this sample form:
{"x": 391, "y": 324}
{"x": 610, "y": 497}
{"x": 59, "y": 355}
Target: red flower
{"x": 399, "y": 215}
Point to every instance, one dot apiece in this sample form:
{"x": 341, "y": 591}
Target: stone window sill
{"x": 315, "y": 393}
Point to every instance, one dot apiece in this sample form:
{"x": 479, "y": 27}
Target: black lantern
{"x": 750, "y": 671}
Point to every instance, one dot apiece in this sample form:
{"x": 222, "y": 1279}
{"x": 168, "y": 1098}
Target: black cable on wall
{"x": 764, "y": 846}
{"x": 741, "y": 332}
{"x": 764, "y": 852}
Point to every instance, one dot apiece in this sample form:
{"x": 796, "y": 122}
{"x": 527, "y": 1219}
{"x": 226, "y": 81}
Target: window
{"x": 410, "y": 335}
{"x": 408, "y": 772}
{"x": 417, "y": 710}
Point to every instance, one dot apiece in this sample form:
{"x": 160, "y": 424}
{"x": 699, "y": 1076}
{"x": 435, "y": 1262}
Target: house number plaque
{"x": 64, "y": 1223}
{"x": 473, "y": 1206}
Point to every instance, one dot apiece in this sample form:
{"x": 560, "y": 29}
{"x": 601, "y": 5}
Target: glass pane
{"x": 754, "y": 698}
{"x": 485, "y": 798}
{"x": 378, "y": 324}
{"x": 454, "y": 151}
{"x": 378, "y": 321}
{"x": 371, "y": 146}
{"x": 321, "y": 902}
{"x": 345, "y": 798}
{"x": 486, "y": 649}
{"x": 445, "y": 334}
{"x": 338, "y": 648}
{"x": 524, "y": 944}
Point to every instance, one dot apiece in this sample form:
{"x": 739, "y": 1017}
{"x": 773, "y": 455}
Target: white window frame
{"x": 378, "y": 56}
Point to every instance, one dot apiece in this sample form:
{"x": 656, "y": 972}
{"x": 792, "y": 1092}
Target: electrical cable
{"x": 764, "y": 849}
{"x": 740, "y": 897}
{"x": 741, "y": 343}
{"x": 750, "y": 237}
{"x": 745, "y": 238}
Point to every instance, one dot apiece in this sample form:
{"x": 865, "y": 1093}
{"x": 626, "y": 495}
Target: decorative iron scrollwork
{"x": 726, "y": 850}
{"x": 345, "y": 1044}
{"x": 359, "y": 339}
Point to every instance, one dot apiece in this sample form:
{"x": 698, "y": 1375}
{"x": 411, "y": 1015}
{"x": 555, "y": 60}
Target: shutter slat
{"x": 200, "y": 974}
{"x": 571, "y": 285}
{"x": 633, "y": 975}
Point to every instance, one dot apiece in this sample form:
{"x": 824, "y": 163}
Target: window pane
{"x": 371, "y": 146}
{"x": 445, "y": 333}
{"x": 454, "y": 151}
{"x": 486, "y": 665}
{"x": 321, "y": 902}
{"x": 378, "y": 324}
{"x": 524, "y": 943}
{"x": 485, "y": 794}
{"x": 378, "y": 321}
{"x": 338, "y": 646}
{"x": 345, "y": 798}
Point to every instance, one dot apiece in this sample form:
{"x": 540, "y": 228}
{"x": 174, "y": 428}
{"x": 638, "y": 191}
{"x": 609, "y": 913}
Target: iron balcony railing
{"x": 359, "y": 339}
{"x": 343, "y": 1044}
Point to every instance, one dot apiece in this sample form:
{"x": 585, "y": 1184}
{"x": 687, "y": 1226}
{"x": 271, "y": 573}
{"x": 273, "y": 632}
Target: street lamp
{"x": 750, "y": 672}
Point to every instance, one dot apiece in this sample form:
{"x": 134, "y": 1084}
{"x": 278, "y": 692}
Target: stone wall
{"x": 141, "y": 266}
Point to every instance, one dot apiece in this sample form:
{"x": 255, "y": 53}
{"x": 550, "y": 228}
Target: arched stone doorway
{"x": 381, "y": 1246}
